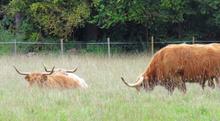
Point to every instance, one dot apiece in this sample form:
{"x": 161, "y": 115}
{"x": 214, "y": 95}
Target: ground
{"x": 106, "y": 99}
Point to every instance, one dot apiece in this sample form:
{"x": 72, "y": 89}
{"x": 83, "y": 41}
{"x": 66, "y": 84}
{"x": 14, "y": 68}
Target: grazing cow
{"x": 176, "y": 64}
{"x": 70, "y": 73}
{"x": 51, "y": 79}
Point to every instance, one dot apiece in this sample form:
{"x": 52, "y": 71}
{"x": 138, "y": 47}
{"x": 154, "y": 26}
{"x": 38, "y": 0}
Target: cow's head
{"x": 60, "y": 70}
{"x": 35, "y": 77}
{"x": 141, "y": 82}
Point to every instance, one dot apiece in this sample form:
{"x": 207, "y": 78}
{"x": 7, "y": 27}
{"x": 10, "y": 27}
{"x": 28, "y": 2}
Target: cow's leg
{"x": 170, "y": 87}
{"x": 170, "y": 90}
{"x": 217, "y": 81}
{"x": 180, "y": 84}
{"x": 211, "y": 83}
{"x": 182, "y": 87}
{"x": 202, "y": 83}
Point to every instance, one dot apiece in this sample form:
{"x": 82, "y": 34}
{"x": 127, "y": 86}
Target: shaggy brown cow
{"x": 51, "y": 79}
{"x": 176, "y": 64}
{"x": 70, "y": 73}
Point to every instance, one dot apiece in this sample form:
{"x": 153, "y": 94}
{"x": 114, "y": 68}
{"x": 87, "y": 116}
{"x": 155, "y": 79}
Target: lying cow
{"x": 51, "y": 79}
{"x": 69, "y": 73}
{"x": 176, "y": 64}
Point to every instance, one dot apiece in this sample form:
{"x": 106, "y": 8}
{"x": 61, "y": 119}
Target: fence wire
{"x": 15, "y": 47}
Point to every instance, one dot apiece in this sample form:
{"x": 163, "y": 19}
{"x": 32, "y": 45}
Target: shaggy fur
{"x": 70, "y": 74}
{"x": 176, "y": 64}
{"x": 56, "y": 80}
{"x": 62, "y": 81}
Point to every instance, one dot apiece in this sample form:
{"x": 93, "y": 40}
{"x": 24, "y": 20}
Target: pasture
{"x": 106, "y": 99}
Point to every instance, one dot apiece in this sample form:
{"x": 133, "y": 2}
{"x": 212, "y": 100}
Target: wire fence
{"x": 108, "y": 47}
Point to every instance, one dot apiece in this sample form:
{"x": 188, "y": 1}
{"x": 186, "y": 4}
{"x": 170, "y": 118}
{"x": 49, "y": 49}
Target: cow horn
{"x": 135, "y": 84}
{"x": 72, "y": 71}
{"x": 45, "y": 68}
{"x": 21, "y": 73}
{"x": 51, "y": 72}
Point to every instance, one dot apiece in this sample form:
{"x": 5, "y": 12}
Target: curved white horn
{"x": 138, "y": 83}
{"x": 72, "y": 71}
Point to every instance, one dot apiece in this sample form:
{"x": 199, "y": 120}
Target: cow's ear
{"x": 44, "y": 77}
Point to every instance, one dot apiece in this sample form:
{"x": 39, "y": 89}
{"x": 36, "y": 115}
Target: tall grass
{"x": 106, "y": 99}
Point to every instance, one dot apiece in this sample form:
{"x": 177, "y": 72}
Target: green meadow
{"x": 106, "y": 99}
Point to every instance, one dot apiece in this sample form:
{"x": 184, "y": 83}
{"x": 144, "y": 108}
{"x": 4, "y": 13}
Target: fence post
{"x": 109, "y": 49}
{"x": 152, "y": 45}
{"x": 61, "y": 46}
{"x": 15, "y": 47}
{"x": 193, "y": 40}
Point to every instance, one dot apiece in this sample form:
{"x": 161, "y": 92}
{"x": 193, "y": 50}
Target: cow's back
{"x": 191, "y": 62}
{"x": 59, "y": 80}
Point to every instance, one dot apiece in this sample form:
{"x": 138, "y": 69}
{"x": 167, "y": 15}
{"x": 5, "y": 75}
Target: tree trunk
{"x": 17, "y": 21}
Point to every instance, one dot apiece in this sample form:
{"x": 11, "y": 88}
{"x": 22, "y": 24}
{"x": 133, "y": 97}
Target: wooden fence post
{"x": 61, "y": 46}
{"x": 152, "y": 45}
{"x": 15, "y": 47}
{"x": 109, "y": 49}
{"x": 193, "y": 40}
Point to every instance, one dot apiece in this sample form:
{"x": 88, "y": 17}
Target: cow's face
{"x": 147, "y": 84}
{"x": 141, "y": 85}
{"x": 36, "y": 78}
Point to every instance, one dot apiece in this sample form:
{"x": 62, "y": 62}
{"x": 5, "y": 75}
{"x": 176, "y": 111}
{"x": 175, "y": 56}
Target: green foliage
{"x": 6, "y": 35}
{"x": 97, "y": 49}
{"x": 113, "y": 12}
{"x": 16, "y": 6}
{"x": 174, "y": 10}
{"x": 110, "y": 12}
{"x": 59, "y": 19}
{"x": 121, "y": 20}
{"x": 160, "y": 17}
{"x": 103, "y": 49}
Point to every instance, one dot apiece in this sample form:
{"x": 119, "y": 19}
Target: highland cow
{"x": 176, "y": 64}
{"x": 51, "y": 79}
{"x": 69, "y": 73}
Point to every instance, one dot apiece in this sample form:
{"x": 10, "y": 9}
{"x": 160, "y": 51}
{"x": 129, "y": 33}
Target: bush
{"x": 5, "y": 36}
{"x": 100, "y": 49}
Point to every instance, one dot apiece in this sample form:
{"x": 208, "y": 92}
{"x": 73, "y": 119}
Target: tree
{"x": 60, "y": 17}
{"x": 113, "y": 12}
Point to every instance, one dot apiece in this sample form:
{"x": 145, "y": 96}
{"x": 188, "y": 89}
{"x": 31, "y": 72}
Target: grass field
{"x": 106, "y": 99}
